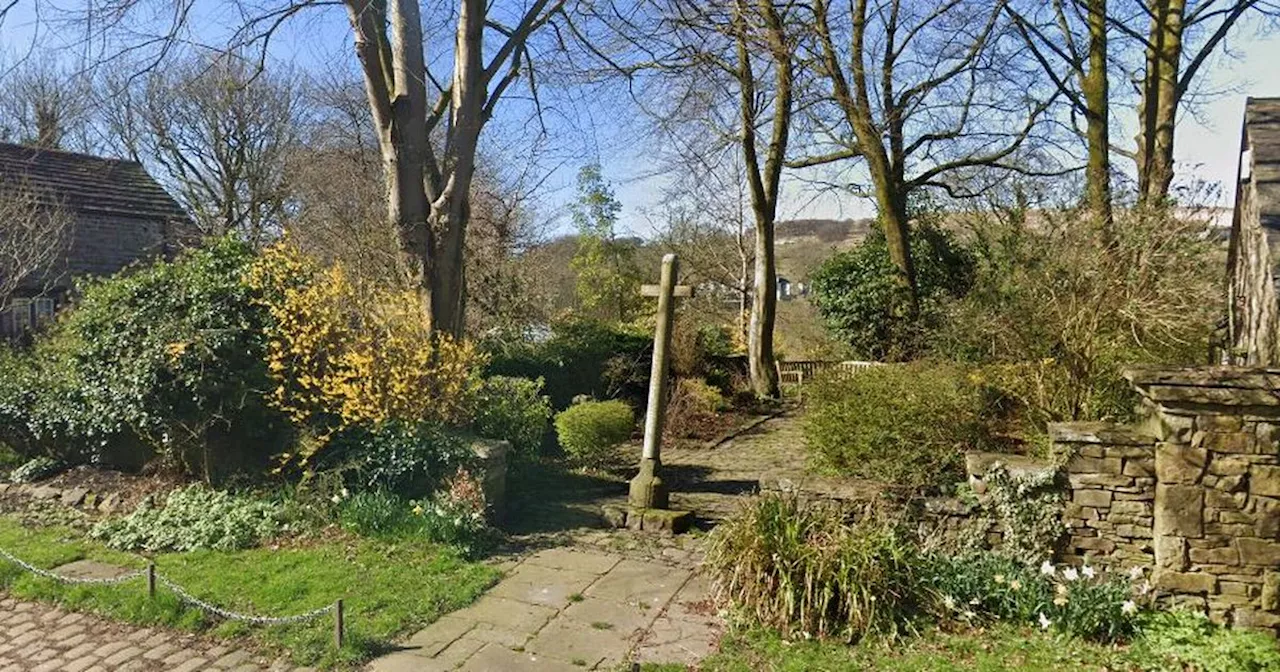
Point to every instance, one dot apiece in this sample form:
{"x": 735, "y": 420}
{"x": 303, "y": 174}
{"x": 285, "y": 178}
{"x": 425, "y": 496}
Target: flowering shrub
{"x": 1085, "y": 602}
{"x": 340, "y": 354}
{"x": 456, "y": 516}
{"x": 192, "y": 518}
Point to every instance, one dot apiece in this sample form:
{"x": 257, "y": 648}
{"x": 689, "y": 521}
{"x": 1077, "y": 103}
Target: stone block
{"x": 1271, "y": 591}
{"x": 1179, "y": 510}
{"x": 1261, "y": 552}
{"x": 1219, "y": 423}
{"x": 1134, "y": 531}
{"x": 1099, "y": 480}
{"x": 1231, "y": 442}
{"x": 1176, "y": 428}
{"x": 1184, "y": 582}
{"x": 614, "y": 516}
{"x": 978, "y": 464}
{"x": 1098, "y": 544}
{"x": 1098, "y": 499}
{"x": 1255, "y": 618}
{"x": 491, "y": 463}
{"x": 1131, "y": 508}
{"x": 1178, "y": 463}
{"x": 1171, "y": 552}
{"x": 1225, "y": 555}
{"x": 1079, "y": 464}
{"x": 1225, "y": 483}
{"x": 1228, "y": 501}
{"x": 1264, "y": 480}
{"x": 660, "y": 520}
{"x": 1146, "y": 468}
{"x": 1224, "y": 465}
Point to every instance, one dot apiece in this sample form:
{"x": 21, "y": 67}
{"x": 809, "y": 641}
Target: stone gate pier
{"x": 1194, "y": 490}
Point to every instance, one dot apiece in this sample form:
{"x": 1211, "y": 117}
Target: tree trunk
{"x": 1159, "y": 102}
{"x": 1095, "y": 85}
{"x": 764, "y": 307}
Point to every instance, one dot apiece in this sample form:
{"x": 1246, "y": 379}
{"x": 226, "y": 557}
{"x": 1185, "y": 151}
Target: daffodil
{"x": 999, "y": 578}
{"x": 1015, "y": 585}
{"x": 1129, "y": 607}
{"x": 1044, "y": 622}
{"x": 1046, "y": 568}
{"x": 949, "y": 602}
{"x": 1060, "y": 601}
{"x": 1135, "y": 573}
{"x": 1087, "y": 571}
{"x": 1070, "y": 574}
{"x": 417, "y": 510}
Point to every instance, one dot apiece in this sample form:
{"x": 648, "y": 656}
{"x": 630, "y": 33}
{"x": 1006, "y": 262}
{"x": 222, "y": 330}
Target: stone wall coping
{"x": 1106, "y": 433}
{"x": 1210, "y": 385}
{"x": 978, "y": 464}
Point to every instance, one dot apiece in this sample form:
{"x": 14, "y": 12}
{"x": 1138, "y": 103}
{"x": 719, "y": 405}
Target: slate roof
{"x": 89, "y": 184}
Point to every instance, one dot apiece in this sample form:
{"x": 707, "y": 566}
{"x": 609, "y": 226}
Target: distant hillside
{"x": 825, "y": 230}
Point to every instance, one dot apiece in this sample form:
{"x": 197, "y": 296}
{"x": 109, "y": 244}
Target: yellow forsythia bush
{"x": 342, "y": 354}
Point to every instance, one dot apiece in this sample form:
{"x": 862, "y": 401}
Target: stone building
{"x": 115, "y": 214}
{"x": 1254, "y": 252}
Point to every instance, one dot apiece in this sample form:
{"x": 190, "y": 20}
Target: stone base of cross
{"x": 649, "y": 498}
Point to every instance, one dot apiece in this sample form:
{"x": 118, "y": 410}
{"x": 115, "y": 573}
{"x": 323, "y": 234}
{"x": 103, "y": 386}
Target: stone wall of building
{"x": 1111, "y": 473}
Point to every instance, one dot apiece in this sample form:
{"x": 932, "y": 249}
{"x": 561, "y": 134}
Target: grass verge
{"x": 388, "y": 588}
{"x": 997, "y": 649}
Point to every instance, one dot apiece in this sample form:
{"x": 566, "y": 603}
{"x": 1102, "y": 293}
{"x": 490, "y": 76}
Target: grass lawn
{"x": 388, "y": 589}
{"x": 999, "y": 649}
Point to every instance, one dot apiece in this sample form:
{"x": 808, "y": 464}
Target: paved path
{"x": 570, "y": 609}
{"x": 41, "y": 638}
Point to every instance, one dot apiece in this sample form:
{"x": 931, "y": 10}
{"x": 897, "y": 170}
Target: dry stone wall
{"x": 1110, "y": 513}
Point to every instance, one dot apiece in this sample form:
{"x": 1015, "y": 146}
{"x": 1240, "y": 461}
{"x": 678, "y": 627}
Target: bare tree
{"x": 1177, "y": 38}
{"x": 1069, "y": 39}
{"x": 45, "y": 104}
{"x": 928, "y": 95}
{"x": 34, "y": 232}
{"x": 217, "y": 132}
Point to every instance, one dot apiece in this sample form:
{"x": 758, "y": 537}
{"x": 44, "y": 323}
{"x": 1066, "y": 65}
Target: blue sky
{"x": 597, "y": 124}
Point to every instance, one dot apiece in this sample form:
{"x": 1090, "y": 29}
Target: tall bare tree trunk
{"x": 1095, "y": 85}
{"x": 1158, "y": 106}
{"x": 764, "y": 181}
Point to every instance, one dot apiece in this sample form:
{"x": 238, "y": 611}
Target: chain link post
{"x": 339, "y": 625}
{"x": 151, "y": 580}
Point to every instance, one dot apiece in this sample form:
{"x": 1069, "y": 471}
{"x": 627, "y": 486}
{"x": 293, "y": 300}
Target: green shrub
{"x": 406, "y": 459}
{"x": 803, "y": 569}
{"x": 1186, "y": 640}
{"x": 170, "y": 354}
{"x": 858, "y": 295}
{"x": 578, "y": 357}
{"x": 193, "y": 518}
{"x": 906, "y": 424}
{"x": 36, "y": 469}
{"x": 979, "y": 588}
{"x": 376, "y": 513}
{"x": 513, "y": 409}
{"x": 590, "y": 431}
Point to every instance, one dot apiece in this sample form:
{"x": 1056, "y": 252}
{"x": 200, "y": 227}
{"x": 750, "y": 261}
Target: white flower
{"x": 1046, "y": 568}
{"x": 1070, "y": 574}
{"x": 1044, "y": 622}
{"x": 968, "y": 615}
{"x": 1146, "y": 588}
{"x": 975, "y": 601}
{"x": 345, "y": 494}
{"x": 1087, "y": 571}
{"x": 1129, "y": 607}
{"x": 1135, "y": 573}
{"x": 1015, "y": 585}
{"x": 949, "y": 602}
{"x": 999, "y": 578}
{"x": 335, "y": 499}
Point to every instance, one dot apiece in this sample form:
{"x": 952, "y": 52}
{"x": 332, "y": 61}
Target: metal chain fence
{"x": 186, "y": 597}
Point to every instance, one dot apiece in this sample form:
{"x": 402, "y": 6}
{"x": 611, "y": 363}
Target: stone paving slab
{"x": 42, "y": 638}
{"x": 569, "y": 609}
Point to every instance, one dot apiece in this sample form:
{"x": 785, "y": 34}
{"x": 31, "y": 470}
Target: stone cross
{"x": 647, "y": 489}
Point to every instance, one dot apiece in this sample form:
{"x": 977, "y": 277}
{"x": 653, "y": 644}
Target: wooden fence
{"x": 797, "y": 373}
